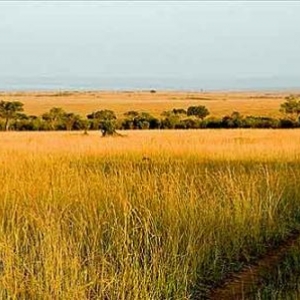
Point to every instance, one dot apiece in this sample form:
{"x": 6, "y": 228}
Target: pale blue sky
{"x": 143, "y": 39}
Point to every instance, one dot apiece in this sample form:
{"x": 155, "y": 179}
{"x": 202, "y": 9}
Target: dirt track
{"x": 241, "y": 285}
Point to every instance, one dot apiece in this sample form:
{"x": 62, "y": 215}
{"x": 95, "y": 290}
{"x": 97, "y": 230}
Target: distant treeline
{"x": 195, "y": 117}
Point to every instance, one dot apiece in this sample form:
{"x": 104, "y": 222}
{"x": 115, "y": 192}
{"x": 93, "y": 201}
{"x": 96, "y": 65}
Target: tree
{"x": 70, "y": 120}
{"x": 85, "y": 125}
{"x": 130, "y": 120}
{"x": 174, "y": 118}
{"x": 24, "y": 122}
{"x": 291, "y": 106}
{"x": 170, "y": 121}
{"x": 179, "y": 111}
{"x": 54, "y": 117}
{"x": 9, "y": 111}
{"x": 188, "y": 124}
{"x": 142, "y": 120}
{"x": 198, "y": 111}
{"x": 235, "y": 120}
{"x": 106, "y": 120}
{"x": 131, "y": 114}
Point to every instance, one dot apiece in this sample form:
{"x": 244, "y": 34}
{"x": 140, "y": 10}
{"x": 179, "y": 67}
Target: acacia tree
{"x": 291, "y": 106}
{"x": 130, "y": 120}
{"x": 198, "y": 111}
{"x": 105, "y": 120}
{"x": 131, "y": 114}
{"x": 235, "y": 120}
{"x": 54, "y": 116}
{"x": 140, "y": 120}
{"x": 143, "y": 120}
{"x": 70, "y": 119}
{"x": 9, "y": 111}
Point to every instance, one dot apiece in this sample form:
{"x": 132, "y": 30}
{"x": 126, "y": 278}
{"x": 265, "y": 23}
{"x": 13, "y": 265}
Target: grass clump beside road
{"x": 94, "y": 223}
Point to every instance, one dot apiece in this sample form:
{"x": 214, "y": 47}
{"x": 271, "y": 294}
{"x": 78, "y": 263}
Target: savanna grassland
{"x": 84, "y": 102}
{"x": 149, "y": 215}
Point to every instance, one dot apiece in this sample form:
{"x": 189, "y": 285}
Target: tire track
{"x": 242, "y": 284}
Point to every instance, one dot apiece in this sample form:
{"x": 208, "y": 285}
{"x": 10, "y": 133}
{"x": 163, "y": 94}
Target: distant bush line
{"x": 12, "y": 117}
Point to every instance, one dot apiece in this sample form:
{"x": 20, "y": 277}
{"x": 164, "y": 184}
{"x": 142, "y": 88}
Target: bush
{"x": 106, "y": 120}
{"x": 188, "y": 124}
{"x": 260, "y": 122}
{"x": 212, "y": 123}
{"x": 287, "y": 123}
{"x": 235, "y": 120}
{"x": 198, "y": 111}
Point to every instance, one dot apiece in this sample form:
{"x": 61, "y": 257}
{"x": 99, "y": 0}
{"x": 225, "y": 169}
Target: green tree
{"x": 235, "y": 120}
{"x": 70, "y": 120}
{"x": 132, "y": 114}
{"x": 179, "y": 111}
{"x": 54, "y": 117}
{"x": 171, "y": 120}
{"x": 142, "y": 120}
{"x": 85, "y": 125}
{"x": 291, "y": 106}
{"x": 106, "y": 120}
{"x": 9, "y": 111}
{"x": 130, "y": 119}
{"x": 174, "y": 118}
{"x": 198, "y": 111}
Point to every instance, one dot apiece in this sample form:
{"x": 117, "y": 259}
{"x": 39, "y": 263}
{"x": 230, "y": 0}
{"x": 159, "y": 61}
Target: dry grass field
{"x": 150, "y": 215}
{"x": 219, "y": 103}
{"x": 242, "y": 144}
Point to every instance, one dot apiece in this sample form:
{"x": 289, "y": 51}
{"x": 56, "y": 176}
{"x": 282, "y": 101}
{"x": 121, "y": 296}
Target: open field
{"x": 220, "y": 144}
{"x": 219, "y": 103}
{"x": 151, "y": 215}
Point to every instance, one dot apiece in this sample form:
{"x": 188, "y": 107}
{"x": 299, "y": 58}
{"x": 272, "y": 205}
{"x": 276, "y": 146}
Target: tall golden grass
{"x": 151, "y": 215}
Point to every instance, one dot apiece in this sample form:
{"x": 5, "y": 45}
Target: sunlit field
{"x": 218, "y": 103}
{"x": 147, "y": 215}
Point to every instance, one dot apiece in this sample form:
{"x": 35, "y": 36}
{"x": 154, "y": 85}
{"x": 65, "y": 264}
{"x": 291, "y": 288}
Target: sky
{"x": 214, "y": 41}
